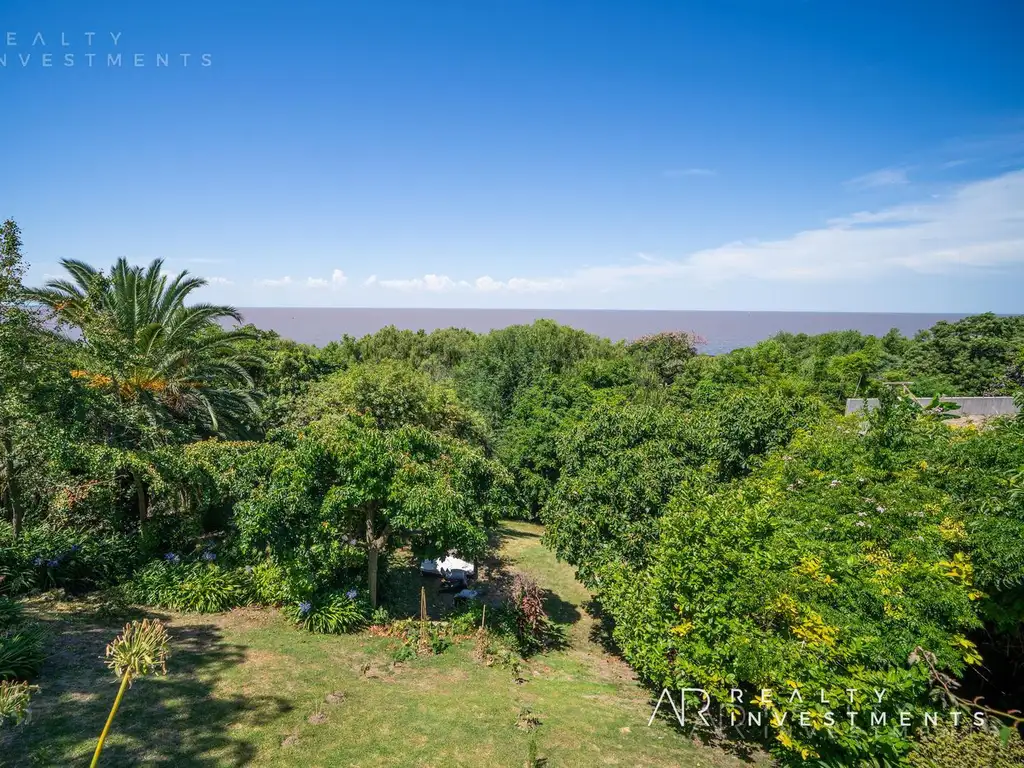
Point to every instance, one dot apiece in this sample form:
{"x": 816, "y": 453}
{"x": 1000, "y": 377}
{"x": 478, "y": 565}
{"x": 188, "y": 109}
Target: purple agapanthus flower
{"x": 352, "y": 594}
{"x": 53, "y": 563}
{"x": 208, "y": 556}
{"x": 75, "y": 547}
{"x": 305, "y": 607}
{"x": 37, "y": 561}
{"x": 172, "y": 558}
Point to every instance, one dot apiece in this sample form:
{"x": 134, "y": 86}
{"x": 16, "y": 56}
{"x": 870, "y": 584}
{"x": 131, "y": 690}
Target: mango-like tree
{"x": 385, "y": 457}
{"x": 32, "y": 417}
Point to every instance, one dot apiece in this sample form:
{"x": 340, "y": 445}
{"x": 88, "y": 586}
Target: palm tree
{"x": 170, "y": 363}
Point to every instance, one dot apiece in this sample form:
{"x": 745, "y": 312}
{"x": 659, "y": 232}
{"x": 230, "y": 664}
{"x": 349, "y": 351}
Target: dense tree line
{"x": 737, "y": 529}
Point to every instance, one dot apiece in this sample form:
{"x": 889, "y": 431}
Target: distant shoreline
{"x": 723, "y": 330}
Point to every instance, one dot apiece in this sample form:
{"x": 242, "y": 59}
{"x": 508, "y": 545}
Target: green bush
{"x": 275, "y": 584}
{"x": 210, "y": 589}
{"x": 467, "y": 618}
{"x": 21, "y": 652}
{"x": 334, "y": 613}
{"x": 964, "y": 747}
{"x": 520, "y": 624}
{"x": 44, "y": 558}
{"x": 190, "y": 588}
{"x": 155, "y": 584}
{"x": 21, "y": 643}
{"x": 17, "y": 575}
{"x": 827, "y": 567}
{"x": 10, "y": 613}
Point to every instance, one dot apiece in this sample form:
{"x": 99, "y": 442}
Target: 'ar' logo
{"x": 680, "y": 712}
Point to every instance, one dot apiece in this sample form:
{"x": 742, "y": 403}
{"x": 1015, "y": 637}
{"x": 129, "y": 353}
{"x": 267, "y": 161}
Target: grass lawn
{"x": 247, "y": 688}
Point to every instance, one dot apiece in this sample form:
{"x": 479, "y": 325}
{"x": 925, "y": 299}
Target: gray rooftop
{"x": 969, "y": 406}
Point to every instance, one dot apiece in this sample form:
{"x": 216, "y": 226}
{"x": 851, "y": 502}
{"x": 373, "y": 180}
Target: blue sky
{"x": 725, "y": 154}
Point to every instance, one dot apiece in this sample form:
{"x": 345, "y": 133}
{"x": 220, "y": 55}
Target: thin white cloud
{"x": 487, "y": 284}
{"x": 678, "y": 173}
{"x": 219, "y": 281}
{"x": 430, "y": 283}
{"x": 979, "y": 225}
{"x": 337, "y": 280}
{"x": 884, "y": 177}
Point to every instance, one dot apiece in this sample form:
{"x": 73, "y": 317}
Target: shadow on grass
{"x": 558, "y": 609}
{"x": 174, "y": 720}
{"x": 501, "y": 574}
{"x": 746, "y": 745}
{"x": 401, "y": 586}
{"x": 507, "y": 532}
{"x": 602, "y": 628}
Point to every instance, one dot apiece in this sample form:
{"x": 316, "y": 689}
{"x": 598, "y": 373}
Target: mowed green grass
{"x": 246, "y": 688}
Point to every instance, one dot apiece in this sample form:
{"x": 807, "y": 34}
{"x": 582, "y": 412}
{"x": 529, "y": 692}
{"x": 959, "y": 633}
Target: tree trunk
{"x": 140, "y": 495}
{"x": 375, "y": 544}
{"x": 11, "y": 487}
{"x": 371, "y": 573}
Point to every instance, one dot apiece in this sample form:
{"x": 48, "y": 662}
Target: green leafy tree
{"x": 667, "y": 354}
{"x": 620, "y": 463}
{"x": 382, "y": 459}
{"x": 825, "y": 567}
{"x": 527, "y": 445}
{"x": 15, "y": 324}
{"x": 505, "y": 361}
{"x": 35, "y": 420}
{"x": 973, "y": 354}
{"x": 393, "y": 394}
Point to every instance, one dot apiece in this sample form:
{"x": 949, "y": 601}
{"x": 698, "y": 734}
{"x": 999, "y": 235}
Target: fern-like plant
{"x": 140, "y": 650}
